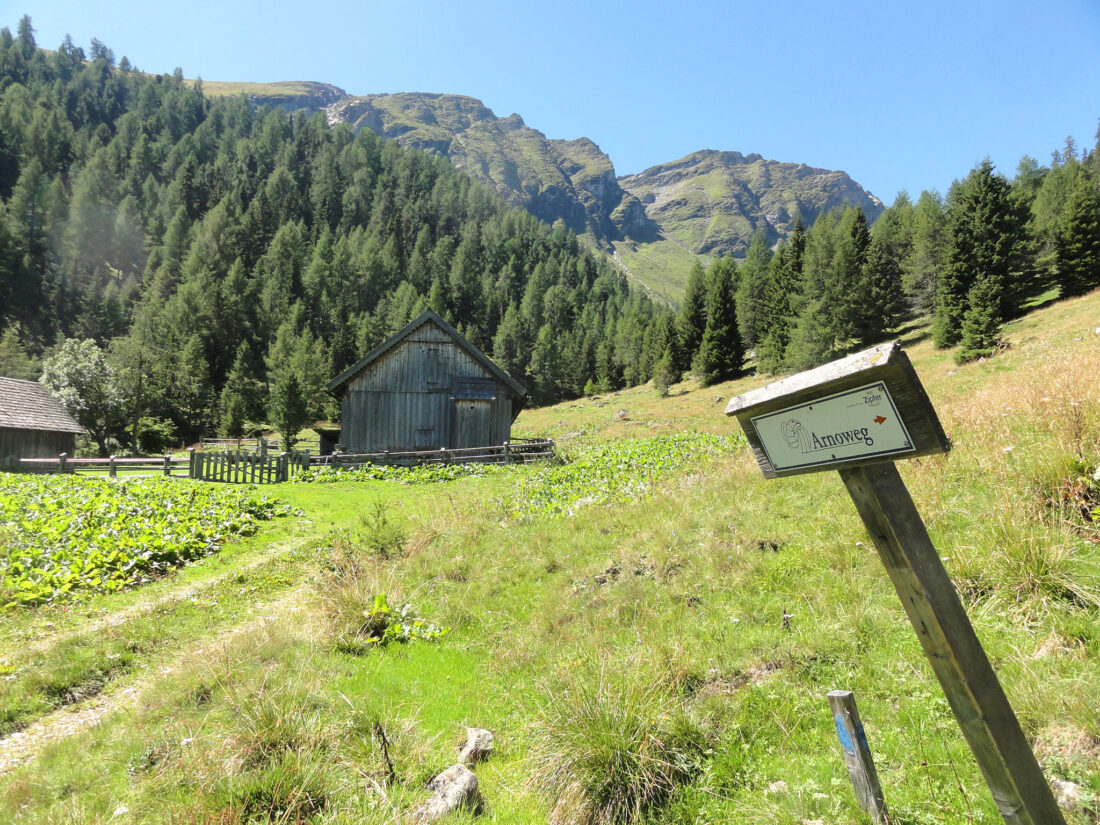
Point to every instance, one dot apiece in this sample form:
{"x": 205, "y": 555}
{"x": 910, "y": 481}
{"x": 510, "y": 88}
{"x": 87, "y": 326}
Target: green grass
{"x": 288, "y": 88}
{"x": 661, "y": 266}
{"x": 637, "y": 640}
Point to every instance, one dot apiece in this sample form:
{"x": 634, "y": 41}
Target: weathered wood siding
{"x": 18, "y": 443}
{"x": 409, "y": 399}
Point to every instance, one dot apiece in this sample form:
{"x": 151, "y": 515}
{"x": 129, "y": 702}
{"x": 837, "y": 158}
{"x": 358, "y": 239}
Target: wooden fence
{"x": 261, "y": 444}
{"x": 237, "y": 467}
{"x": 516, "y": 452}
{"x": 148, "y": 465}
{"x": 261, "y": 467}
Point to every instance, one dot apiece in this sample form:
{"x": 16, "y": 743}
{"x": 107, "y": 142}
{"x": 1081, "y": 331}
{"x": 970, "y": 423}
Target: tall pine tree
{"x": 720, "y": 352}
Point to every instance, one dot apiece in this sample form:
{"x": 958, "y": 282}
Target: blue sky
{"x": 899, "y": 95}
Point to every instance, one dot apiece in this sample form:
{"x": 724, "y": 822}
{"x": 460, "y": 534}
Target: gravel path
{"x": 19, "y": 748}
{"x": 143, "y": 608}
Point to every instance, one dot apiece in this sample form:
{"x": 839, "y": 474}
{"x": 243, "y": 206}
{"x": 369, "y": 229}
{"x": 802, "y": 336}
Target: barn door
{"x": 471, "y": 423}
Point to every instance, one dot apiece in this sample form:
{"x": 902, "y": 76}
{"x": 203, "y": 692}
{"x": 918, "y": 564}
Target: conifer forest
{"x": 179, "y": 258}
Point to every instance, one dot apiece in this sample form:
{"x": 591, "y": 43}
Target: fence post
{"x": 111, "y": 468}
{"x": 857, "y": 754}
{"x": 168, "y": 465}
{"x": 61, "y": 459}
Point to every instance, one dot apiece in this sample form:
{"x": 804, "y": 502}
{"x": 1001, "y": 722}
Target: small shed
{"x": 426, "y": 388}
{"x": 33, "y": 424}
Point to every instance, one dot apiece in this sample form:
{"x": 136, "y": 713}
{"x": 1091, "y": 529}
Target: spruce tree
{"x": 783, "y": 293}
{"x": 1078, "y": 246}
{"x": 922, "y": 266}
{"x": 881, "y": 304}
{"x": 720, "y": 352}
{"x": 981, "y": 325}
{"x": 236, "y": 403}
{"x": 692, "y": 318}
{"x": 753, "y": 280}
{"x": 985, "y": 240}
{"x": 287, "y": 409}
{"x": 15, "y": 362}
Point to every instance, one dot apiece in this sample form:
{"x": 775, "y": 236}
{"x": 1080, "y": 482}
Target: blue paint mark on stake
{"x": 842, "y": 733}
{"x": 862, "y": 737}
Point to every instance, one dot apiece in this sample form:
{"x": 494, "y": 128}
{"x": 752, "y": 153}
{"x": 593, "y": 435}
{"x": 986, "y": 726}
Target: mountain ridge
{"x": 655, "y": 223}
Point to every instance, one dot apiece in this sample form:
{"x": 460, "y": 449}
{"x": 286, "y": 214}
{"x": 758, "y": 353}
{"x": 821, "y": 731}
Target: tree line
{"x": 195, "y": 265}
{"x": 198, "y": 254}
{"x": 984, "y": 254}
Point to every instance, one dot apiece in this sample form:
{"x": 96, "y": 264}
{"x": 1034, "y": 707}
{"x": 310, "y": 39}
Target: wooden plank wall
{"x": 15, "y": 444}
{"x": 403, "y": 401}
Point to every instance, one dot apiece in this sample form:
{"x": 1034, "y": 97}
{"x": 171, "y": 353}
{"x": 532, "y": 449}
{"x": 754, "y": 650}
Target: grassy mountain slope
{"x": 710, "y": 203}
{"x": 292, "y": 95}
{"x": 644, "y": 615}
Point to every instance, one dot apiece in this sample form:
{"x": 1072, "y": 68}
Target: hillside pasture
{"x": 670, "y": 643}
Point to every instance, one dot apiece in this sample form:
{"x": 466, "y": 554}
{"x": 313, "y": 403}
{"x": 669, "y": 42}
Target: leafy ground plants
{"x": 618, "y": 472}
{"x": 63, "y": 535}
{"x": 419, "y": 474}
{"x": 354, "y": 593}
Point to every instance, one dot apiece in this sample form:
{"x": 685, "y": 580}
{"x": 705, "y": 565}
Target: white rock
{"x": 479, "y": 744}
{"x": 455, "y": 787}
{"x": 1066, "y": 794}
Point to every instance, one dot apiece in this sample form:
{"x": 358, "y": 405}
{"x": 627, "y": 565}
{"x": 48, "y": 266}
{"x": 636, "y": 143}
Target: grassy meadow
{"x": 648, "y": 626}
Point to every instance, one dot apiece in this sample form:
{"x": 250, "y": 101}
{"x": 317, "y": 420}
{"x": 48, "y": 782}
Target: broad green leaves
{"x": 618, "y": 472}
{"x": 65, "y": 534}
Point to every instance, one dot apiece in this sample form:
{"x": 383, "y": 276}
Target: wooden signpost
{"x": 857, "y": 415}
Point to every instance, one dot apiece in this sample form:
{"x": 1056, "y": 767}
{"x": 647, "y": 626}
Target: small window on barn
{"x": 433, "y": 367}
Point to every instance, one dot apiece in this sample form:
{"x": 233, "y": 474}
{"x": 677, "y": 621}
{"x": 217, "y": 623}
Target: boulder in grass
{"x": 479, "y": 744}
{"x": 455, "y": 788}
{"x": 1066, "y": 794}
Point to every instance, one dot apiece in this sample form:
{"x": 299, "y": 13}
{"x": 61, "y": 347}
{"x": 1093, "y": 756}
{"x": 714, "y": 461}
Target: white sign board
{"x": 857, "y": 423}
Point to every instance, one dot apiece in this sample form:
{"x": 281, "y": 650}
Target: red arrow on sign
{"x": 879, "y": 419}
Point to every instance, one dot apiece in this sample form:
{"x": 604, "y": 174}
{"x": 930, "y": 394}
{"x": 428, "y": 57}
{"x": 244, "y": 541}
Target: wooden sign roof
{"x": 862, "y": 409}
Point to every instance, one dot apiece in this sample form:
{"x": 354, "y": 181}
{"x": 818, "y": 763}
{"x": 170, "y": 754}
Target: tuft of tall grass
{"x": 609, "y": 751}
{"x": 288, "y": 790}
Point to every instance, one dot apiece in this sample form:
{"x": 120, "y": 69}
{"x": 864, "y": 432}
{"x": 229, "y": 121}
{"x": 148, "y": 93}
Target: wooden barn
{"x": 426, "y": 388}
{"x": 33, "y": 424}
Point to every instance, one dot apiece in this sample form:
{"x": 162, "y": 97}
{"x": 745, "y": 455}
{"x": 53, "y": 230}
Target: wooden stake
{"x": 857, "y": 754}
{"x": 1019, "y": 788}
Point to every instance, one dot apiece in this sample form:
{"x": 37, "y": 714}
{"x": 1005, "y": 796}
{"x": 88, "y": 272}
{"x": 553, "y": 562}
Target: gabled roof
{"x": 343, "y": 378}
{"x": 27, "y": 405}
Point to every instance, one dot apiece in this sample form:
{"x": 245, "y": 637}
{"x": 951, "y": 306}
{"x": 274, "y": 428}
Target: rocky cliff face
{"x": 571, "y": 180}
{"x": 712, "y": 202}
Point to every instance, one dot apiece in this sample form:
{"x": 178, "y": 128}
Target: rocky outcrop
{"x": 293, "y": 95}
{"x": 712, "y": 202}
{"x": 569, "y": 180}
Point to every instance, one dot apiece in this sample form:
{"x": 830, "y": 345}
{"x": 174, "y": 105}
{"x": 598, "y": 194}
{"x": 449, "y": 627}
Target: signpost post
{"x": 857, "y": 415}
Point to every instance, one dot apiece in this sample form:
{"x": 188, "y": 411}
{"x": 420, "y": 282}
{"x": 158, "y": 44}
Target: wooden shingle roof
{"x": 27, "y": 405}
